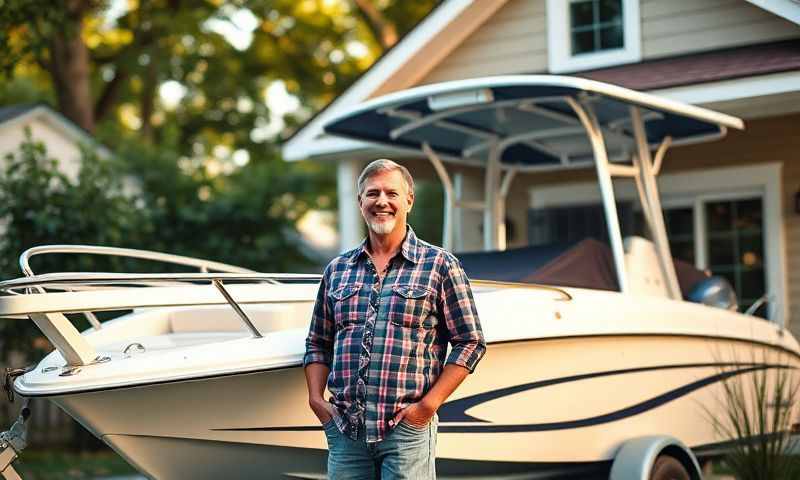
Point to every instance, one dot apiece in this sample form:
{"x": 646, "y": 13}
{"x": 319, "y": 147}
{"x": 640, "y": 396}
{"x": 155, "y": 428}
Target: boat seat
{"x": 643, "y": 269}
{"x": 222, "y": 318}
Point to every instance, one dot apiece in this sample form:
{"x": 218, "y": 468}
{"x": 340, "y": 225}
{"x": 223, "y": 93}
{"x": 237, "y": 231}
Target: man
{"x": 384, "y": 315}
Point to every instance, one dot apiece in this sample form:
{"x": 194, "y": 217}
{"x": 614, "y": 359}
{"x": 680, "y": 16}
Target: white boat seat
{"x": 643, "y": 269}
{"x": 222, "y": 318}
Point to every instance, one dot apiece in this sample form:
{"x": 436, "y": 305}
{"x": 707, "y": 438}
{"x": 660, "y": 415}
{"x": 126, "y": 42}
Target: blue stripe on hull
{"x": 454, "y": 411}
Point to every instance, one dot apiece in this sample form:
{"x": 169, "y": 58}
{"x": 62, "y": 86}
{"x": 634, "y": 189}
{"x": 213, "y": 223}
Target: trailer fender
{"x": 636, "y": 457}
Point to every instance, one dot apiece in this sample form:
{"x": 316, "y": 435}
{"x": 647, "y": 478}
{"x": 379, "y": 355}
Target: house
{"x": 60, "y": 136}
{"x": 732, "y": 206}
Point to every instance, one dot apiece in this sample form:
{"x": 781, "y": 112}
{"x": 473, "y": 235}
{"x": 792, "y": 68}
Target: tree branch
{"x": 108, "y": 98}
{"x": 382, "y": 29}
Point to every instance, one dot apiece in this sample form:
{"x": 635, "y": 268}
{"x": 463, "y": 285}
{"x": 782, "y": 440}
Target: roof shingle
{"x": 703, "y": 67}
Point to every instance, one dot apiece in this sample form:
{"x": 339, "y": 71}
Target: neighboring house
{"x": 732, "y": 205}
{"x": 60, "y": 136}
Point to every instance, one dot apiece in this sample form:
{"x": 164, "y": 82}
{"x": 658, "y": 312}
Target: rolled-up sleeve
{"x": 319, "y": 342}
{"x": 458, "y": 311}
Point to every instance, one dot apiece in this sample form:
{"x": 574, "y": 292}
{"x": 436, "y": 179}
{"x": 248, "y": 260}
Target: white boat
{"x": 203, "y": 377}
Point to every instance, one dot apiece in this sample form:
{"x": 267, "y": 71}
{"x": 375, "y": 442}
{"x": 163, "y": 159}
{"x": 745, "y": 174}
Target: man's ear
{"x": 410, "y": 200}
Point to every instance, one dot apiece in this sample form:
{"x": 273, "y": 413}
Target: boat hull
{"x": 538, "y": 408}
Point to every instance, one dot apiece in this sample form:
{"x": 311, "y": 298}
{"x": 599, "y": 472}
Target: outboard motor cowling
{"x": 715, "y": 292}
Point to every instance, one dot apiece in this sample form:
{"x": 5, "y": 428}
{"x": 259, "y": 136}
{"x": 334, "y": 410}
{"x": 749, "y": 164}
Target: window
{"x": 588, "y": 34}
{"x": 595, "y": 25}
{"x": 735, "y": 247}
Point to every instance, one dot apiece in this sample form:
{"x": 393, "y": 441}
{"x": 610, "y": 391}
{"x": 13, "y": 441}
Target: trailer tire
{"x": 667, "y": 467}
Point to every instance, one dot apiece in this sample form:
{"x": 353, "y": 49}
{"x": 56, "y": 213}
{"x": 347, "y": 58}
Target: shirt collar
{"x": 410, "y": 248}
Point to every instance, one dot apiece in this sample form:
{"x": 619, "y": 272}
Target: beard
{"x": 382, "y": 228}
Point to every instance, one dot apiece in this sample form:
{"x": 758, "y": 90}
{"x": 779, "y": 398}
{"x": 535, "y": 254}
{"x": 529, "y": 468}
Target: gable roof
{"x": 437, "y": 35}
{"x": 703, "y": 67}
{"x": 25, "y": 112}
{"x": 13, "y": 111}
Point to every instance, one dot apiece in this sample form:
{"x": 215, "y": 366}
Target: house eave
{"x": 788, "y": 9}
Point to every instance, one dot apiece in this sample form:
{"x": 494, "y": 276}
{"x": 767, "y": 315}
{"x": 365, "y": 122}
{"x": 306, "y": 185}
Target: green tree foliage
{"x": 41, "y": 205}
{"x": 244, "y": 218}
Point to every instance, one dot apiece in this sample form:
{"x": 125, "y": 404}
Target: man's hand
{"x": 316, "y": 376}
{"x": 321, "y": 408}
{"x": 417, "y": 415}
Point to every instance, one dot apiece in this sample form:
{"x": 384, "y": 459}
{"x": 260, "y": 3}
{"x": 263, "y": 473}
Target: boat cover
{"x": 585, "y": 264}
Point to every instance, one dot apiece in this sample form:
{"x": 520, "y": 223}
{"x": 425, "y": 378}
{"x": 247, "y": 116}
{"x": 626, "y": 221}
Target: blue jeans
{"x": 407, "y": 453}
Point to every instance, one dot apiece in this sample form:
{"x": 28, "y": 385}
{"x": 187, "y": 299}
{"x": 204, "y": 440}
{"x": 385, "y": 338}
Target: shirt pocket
{"x": 346, "y": 304}
{"x": 411, "y": 306}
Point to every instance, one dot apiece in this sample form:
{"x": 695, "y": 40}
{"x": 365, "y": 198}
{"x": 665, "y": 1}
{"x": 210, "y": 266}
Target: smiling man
{"x": 384, "y": 315}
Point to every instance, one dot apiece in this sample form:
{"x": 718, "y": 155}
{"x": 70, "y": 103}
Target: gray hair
{"x": 384, "y": 165}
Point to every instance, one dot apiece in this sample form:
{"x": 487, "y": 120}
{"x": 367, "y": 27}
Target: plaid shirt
{"x": 386, "y": 341}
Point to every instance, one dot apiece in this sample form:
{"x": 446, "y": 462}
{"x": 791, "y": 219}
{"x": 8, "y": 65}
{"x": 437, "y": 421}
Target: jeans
{"x": 407, "y": 453}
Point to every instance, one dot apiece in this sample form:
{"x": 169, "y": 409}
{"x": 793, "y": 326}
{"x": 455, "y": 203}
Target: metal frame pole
{"x": 505, "y": 186}
{"x": 491, "y": 222}
{"x": 593, "y": 130}
{"x": 449, "y": 197}
{"x": 653, "y": 203}
{"x": 243, "y": 316}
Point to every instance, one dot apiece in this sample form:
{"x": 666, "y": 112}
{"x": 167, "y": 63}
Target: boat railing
{"x": 47, "y": 298}
{"x": 202, "y": 265}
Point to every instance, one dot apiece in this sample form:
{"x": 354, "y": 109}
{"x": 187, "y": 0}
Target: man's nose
{"x": 382, "y": 199}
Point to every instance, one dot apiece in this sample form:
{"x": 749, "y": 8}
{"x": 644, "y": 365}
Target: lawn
{"x": 61, "y": 465}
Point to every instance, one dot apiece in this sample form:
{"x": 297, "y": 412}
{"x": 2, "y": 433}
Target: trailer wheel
{"x": 668, "y": 468}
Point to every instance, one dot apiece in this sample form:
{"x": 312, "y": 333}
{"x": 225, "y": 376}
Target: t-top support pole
{"x": 651, "y": 202}
{"x": 492, "y": 209}
{"x": 595, "y": 133}
{"x": 449, "y": 197}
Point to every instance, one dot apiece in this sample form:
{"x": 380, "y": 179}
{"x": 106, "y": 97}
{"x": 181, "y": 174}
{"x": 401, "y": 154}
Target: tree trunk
{"x": 69, "y": 67}
{"x": 148, "y": 96}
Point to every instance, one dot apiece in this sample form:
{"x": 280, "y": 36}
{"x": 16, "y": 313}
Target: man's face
{"x": 385, "y": 202}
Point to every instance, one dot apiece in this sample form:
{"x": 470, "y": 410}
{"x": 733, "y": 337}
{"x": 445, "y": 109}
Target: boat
{"x": 603, "y": 358}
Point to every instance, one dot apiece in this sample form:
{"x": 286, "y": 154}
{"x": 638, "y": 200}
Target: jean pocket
{"x": 330, "y": 427}
{"x": 413, "y": 428}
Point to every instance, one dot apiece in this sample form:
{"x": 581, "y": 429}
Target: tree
{"x": 98, "y": 65}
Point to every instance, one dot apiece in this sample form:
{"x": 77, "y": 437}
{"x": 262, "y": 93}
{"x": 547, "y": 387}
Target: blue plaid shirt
{"x": 386, "y": 340}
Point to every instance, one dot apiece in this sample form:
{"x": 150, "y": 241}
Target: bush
{"x": 759, "y": 405}
{"x": 41, "y": 205}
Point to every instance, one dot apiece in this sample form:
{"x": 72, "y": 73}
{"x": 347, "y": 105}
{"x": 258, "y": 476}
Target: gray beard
{"x": 382, "y": 228}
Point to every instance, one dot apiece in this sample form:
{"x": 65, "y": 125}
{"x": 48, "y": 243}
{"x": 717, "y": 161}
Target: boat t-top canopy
{"x": 513, "y": 124}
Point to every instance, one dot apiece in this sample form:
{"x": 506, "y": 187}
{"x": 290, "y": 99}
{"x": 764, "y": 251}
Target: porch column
{"x": 351, "y": 226}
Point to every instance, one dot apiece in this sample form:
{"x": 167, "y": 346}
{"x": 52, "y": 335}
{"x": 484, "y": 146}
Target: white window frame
{"x": 693, "y": 188}
{"x": 559, "y": 40}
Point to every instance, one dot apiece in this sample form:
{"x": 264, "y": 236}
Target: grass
{"x": 759, "y": 409}
{"x": 63, "y": 465}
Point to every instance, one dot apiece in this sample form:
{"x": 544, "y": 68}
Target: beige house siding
{"x": 682, "y": 26}
{"x": 514, "y": 40}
